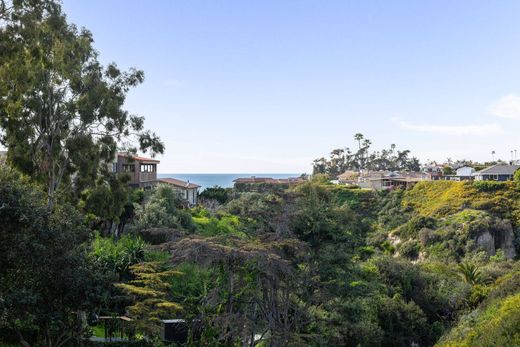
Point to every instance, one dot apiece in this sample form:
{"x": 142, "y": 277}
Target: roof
{"x": 179, "y": 183}
{"x": 499, "y": 170}
{"x": 269, "y": 180}
{"x": 348, "y": 175}
{"x": 400, "y": 179}
{"x": 138, "y": 158}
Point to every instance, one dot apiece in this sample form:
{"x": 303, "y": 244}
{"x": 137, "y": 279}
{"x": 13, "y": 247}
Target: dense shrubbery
{"x": 340, "y": 266}
{"x": 495, "y": 325}
{"x": 118, "y": 255}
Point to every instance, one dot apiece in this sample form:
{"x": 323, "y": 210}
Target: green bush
{"x": 410, "y": 249}
{"x": 489, "y": 186}
{"x": 497, "y": 325}
{"x": 118, "y": 255}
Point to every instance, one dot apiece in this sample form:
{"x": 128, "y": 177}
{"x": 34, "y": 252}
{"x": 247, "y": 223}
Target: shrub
{"x": 426, "y": 236}
{"x": 219, "y": 194}
{"x": 489, "y": 186}
{"x": 410, "y": 249}
{"x": 497, "y": 325}
{"x": 118, "y": 255}
{"x": 156, "y": 236}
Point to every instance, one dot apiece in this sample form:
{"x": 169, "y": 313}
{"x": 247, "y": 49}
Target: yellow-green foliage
{"x": 437, "y": 197}
{"x": 498, "y": 325}
{"x": 356, "y": 198}
{"x": 212, "y": 226}
{"x": 441, "y": 198}
{"x": 150, "y": 295}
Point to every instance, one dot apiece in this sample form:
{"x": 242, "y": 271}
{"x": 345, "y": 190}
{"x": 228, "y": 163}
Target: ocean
{"x": 222, "y": 180}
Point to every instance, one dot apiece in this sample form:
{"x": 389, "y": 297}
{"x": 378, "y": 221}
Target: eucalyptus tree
{"x": 61, "y": 111}
{"x": 47, "y": 279}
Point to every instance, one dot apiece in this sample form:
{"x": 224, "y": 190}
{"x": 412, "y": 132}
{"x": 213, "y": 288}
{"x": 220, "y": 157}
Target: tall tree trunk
{"x": 22, "y": 340}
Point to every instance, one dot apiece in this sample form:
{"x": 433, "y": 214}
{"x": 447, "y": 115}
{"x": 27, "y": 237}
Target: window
{"x": 128, "y": 168}
{"x": 148, "y": 167}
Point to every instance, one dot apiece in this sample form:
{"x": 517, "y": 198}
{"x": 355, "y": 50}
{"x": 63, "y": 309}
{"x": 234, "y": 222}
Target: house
{"x": 464, "y": 173}
{"x": 383, "y": 180}
{"x": 268, "y": 180}
{"x": 348, "y": 176}
{"x": 259, "y": 184}
{"x": 186, "y": 190}
{"x": 142, "y": 171}
{"x": 500, "y": 172}
{"x": 434, "y": 171}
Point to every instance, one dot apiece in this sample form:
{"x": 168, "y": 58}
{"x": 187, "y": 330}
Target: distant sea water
{"x": 222, "y": 180}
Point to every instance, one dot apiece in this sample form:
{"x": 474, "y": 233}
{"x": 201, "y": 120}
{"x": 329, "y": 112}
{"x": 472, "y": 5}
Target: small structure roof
{"x": 179, "y": 183}
{"x": 500, "y": 169}
{"x": 348, "y": 175}
{"x": 269, "y": 180}
{"x": 138, "y": 158}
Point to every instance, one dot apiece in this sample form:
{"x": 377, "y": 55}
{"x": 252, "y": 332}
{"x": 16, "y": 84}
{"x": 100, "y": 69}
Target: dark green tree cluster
{"x": 343, "y": 159}
{"x": 47, "y": 282}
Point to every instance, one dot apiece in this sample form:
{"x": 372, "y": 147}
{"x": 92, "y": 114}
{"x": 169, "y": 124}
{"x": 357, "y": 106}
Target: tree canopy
{"x": 62, "y": 112}
{"x": 343, "y": 159}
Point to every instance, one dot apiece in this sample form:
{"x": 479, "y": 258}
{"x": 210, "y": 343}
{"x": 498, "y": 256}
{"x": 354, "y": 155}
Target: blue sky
{"x": 267, "y": 86}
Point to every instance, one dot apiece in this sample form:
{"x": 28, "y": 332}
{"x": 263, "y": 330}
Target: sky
{"x": 268, "y": 86}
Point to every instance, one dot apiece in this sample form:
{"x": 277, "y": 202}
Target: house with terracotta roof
{"x": 186, "y": 190}
{"x": 142, "y": 171}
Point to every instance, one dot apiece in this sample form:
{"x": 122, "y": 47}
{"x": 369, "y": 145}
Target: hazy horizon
{"x": 269, "y": 86}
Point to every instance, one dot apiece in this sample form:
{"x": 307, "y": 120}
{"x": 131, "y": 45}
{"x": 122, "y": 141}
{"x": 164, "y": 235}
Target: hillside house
{"x": 464, "y": 173}
{"x": 142, "y": 171}
{"x": 433, "y": 170}
{"x": 185, "y": 190}
{"x": 500, "y": 172}
{"x": 269, "y": 180}
{"x": 384, "y": 180}
{"x": 348, "y": 177}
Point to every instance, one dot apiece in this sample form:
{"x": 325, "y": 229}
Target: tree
{"x": 61, "y": 112}
{"x": 448, "y": 170}
{"x": 341, "y": 159}
{"x": 358, "y": 137}
{"x": 216, "y": 193}
{"x": 46, "y": 278}
{"x": 471, "y": 274}
{"x": 258, "y": 288}
{"x": 107, "y": 201}
{"x": 151, "y": 297}
{"x": 160, "y": 210}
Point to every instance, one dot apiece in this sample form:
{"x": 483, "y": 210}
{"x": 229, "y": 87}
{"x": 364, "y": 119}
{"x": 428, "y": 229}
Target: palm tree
{"x": 471, "y": 274}
{"x": 493, "y": 155}
{"x": 358, "y": 137}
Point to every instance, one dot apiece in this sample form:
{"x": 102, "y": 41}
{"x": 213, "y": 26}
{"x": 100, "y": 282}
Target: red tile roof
{"x": 179, "y": 183}
{"x": 290, "y": 180}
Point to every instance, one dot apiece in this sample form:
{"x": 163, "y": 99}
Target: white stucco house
{"x": 185, "y": 190}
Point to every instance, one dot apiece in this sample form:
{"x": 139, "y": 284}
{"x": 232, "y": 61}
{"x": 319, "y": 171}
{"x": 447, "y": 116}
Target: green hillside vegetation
{"x": 307, "y": 264}
{"x": 441, "y": 198}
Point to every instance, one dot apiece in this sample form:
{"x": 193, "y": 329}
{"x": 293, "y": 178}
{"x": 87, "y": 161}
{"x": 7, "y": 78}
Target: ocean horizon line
{"x": 225, "y": 180}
